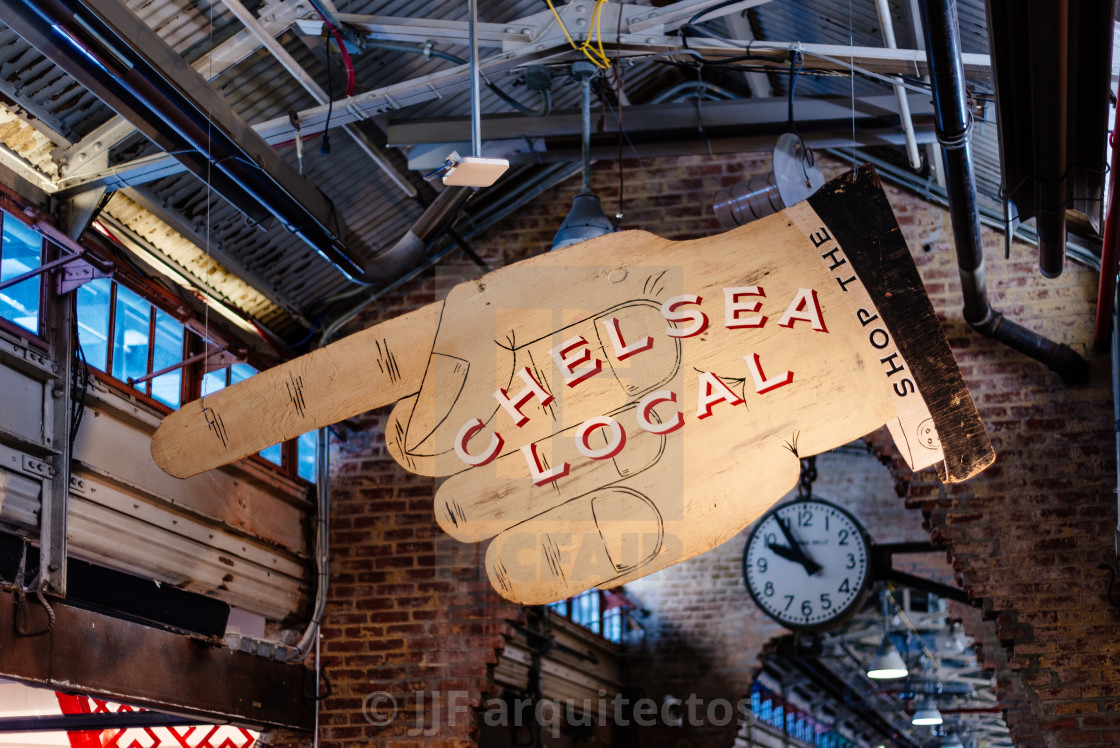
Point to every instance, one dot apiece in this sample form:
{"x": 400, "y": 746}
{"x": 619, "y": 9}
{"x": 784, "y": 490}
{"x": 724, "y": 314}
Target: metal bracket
{"x": 40, "y": 468}
{"x": 79, "y": 272}
{"x": 221, "y": 358}
{"x": 42, "y": 269}
{"x": 882, "y": 570}
{"x": 77, "y": 268}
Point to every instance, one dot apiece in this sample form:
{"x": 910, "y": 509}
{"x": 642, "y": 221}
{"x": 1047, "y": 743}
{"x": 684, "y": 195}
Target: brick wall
{"x": 411, "y": 613}
{"x": 1028, "y": 535}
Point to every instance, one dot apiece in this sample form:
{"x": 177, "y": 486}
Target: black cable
{"x": 325, "y": 143}
{"x": 546, "y": 103}
{"x": 326, "y": 681}
{"x": 714, "y": 8}
{"x": 79, "y": 380}
{"x": 428, "y": 51}
{"x": 807, "y": 157}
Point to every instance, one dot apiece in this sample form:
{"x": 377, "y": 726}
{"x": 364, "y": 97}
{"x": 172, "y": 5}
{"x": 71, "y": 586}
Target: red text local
{"x": 576, "y": 364}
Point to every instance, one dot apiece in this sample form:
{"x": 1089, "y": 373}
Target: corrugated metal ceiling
{"x": 375, "y": 211}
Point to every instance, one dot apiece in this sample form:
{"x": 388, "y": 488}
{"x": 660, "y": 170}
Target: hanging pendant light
{"x": 952, "y": 740}
{"x": 887, "y": 663}
{"x": 586, "y": 219}
{"x": 927, "y": 713}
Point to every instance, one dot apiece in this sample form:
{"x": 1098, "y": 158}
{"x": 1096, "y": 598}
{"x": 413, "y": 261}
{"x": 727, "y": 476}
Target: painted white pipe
{"x": 899, "y": 90}
{"x": 476, "y": 93}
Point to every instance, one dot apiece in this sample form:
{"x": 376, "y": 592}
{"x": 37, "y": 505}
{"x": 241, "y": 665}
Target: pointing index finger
{"x": 366, "y": 370}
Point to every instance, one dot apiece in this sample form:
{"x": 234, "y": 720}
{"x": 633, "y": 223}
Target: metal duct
{"x": 954, "y": 124}
{"x": 1052, "y": 69}
{"x": 110, "y": 51}
{"x": 410, "y": 249}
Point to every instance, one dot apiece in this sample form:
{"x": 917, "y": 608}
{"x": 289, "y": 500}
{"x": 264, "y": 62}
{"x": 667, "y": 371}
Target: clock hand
{"x": 786, "y": 552}
{"x": 811, "y": 566}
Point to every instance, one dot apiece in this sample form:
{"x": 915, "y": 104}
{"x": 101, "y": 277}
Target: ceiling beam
{"x": 421, "y": 31}
{"x": 452, "y": 80}
{"x": 758, "y": 81}
{"x": 547, "y": 44}
{"x": 408, "y": 93}
{"x": 140, "y": 76}
{"x": 78, "y": 158}
{"x": 750, "y": 114}
{"x": 221, "y": 254}
{"x": 145, "y": 666}
{"x": 293, "y": 67}
{"x": 674, "y": 15}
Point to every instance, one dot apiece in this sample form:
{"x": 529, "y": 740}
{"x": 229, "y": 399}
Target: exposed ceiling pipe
{"x": 290, "y": 64}
{"x": 1049, "y": 71}
{"x": 887, "y": 25}
{"x": 1051, "y": 63}
{"x": 116, "y": 56}
{"x": 413, "y": 245}
{"x": 954, "y": 126}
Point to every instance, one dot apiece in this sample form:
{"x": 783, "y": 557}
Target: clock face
{"x": 807, "y": 563}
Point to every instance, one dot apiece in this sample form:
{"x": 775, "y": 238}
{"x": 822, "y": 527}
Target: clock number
{"x": 804, "y": 518}
{"x": 762, "y": 565}
{"x": 844, "y": 586}
{"x": 806, "y": 609}
{"x": 826, "y": 523}
{"x": 843, "y": 537}
{"x": 851, "y": 561}
{"x": 768, "y": 590}
{"x": 771, "y": 539}
{"x": 826, "y": 601}
{"x": 789, "y": 602}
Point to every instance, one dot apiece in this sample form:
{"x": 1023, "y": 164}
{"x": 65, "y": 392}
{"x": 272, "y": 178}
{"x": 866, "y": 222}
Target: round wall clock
{"x": 807, "y": 564}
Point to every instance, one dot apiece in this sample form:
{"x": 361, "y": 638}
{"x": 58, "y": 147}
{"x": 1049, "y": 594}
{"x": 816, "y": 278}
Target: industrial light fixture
{"x": 887, "y": 663}
{"x": 954, "y": 642}
{"x": 586, "y": 219}
{"x": 952, "y": 740}
{"x": 795, "y": 178}
{"x": 927, "y": 713}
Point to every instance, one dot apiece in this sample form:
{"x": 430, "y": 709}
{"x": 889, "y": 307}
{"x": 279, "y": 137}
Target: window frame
{"x": 601, "y": 620}
{"x": 190, "y": 384}
{"x": 56, "y": 245}
{"x": 50, "y": 252}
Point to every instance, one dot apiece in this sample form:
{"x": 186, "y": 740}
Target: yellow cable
{"x": 589, "y": 51}
{"x": 598, "y": 58}
{"x": 562, "y": 27}
{"x": 599, "y": 32}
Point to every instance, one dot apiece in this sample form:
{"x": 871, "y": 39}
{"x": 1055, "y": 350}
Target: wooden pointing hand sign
{"x": 607, "y": 410}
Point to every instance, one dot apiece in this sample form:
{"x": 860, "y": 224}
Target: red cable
{"x": 347, "y": 63}
{"x": 1110, "y": 250}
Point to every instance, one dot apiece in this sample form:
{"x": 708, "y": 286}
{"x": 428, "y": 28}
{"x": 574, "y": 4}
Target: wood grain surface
{"x": 368, "y": 369}
{"x": 606, "y": 410}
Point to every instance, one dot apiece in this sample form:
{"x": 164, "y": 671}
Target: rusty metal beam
{"x": 144, "y": 666}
